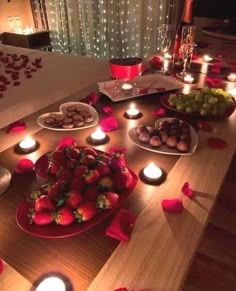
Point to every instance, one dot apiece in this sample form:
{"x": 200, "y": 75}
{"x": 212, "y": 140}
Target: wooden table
{"x": 162, "y": 246}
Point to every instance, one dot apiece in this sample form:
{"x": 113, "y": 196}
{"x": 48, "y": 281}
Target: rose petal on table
{"x": 160, "y": 89}
{"x": 121, "y": 289}
{"x": 187, "y": 190}
{"x": 24, "y": 166}
{"x": 1, "y": 265}
{"x": 91, "y": 99}
{"x": 204, "y": 126}
{"x": 156, "y": 62}
{"x": 160, "y": 112}
{"x": 116, "y": 149}
{"x": 143, "y": 91}
{"x": 122, "y": 225}
{"x": 66, "y": 142}
{"x": 16, "y": 126}
{"x": 107, "y": 110}
{"x": 172, "y": 205}
{"x": 109, "y": 123}
{"x": 216, "y": 143}
{"x": 214, "y": 82}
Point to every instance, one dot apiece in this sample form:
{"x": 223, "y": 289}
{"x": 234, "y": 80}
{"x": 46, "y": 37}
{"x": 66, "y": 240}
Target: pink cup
{"x": 127, "y": 69}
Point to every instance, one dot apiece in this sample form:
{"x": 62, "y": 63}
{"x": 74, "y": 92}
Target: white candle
{"x": 188, "y": 79}
{"x": 127, "y": 88}
{"x": 232, "y": 77}
{"x": 51, "y": 283}
{"x": 98, "y": 135}
{"x": 27, "y": 144}
{"x": 152, "y": 172}
{"x": 207, "y": 58}
{"x": 167, "y": 56}
{"x": 132, "y": 112}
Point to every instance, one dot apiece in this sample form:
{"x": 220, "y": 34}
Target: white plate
{"x": 150, "y": 82}
{"x": 164, "y": 149}
{"x": 80, "y": 106}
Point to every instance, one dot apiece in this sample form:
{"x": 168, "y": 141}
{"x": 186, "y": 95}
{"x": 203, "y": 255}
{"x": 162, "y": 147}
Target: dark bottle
{"x": 187, "y": 19}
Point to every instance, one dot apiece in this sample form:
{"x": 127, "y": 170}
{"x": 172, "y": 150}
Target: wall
{"x": 14, "y": 8}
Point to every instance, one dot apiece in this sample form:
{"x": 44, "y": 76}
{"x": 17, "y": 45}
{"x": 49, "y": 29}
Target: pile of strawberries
{"x": 11, "y": 66}
{"x": 82, "y": 182}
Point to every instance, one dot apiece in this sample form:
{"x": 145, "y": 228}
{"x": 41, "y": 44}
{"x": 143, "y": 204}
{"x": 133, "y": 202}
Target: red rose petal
{"x": 109, "y": 123}
{"x": 172, "y": 205}
{"x": 213, "y": 82}
{"x": 187, "y": 190}
{"x": 205, "y": 126}
{"x": 1, "y": 266}
{"x": 216, "y": 143}
{"x": 107, "y": 110}
{"x": 121, "y": 289}
{"x": 161, "y": 112}
{"x": 24, "y": 166}
{"x": 16, "y": 126}
{"x": 160, "y": 89}
{"x": 143, "y": 91}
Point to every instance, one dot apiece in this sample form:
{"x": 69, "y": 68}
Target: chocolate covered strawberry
{"x": 91, "y": 176}
{"x": 86, "y": 211}
{"x": 64, "y": 216}
{"x": 44, "y": 202}
{"x": 74, "y": 199}
{"x": 41, "y": 217}
{"x": 117, "y": 161}
{"x": 103, "y": 169}
{"x": 77, "y": 183}
{"x": 123, "y": 179}
{"x": 108, "y": 200}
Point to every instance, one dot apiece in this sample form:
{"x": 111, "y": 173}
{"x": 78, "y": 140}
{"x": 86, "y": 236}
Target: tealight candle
{"x": 98, "y": 136}
{"x": 51, "y": 283}
{"x": 232, "y": 77}
{"x": 152, "y": 174}
{"x": 27, "y": 144}
{"x": 127, "y": 88}
{"x": 207, "y": 58}
{"x": 188, "y": 79}
{"x": 132, "y": 112}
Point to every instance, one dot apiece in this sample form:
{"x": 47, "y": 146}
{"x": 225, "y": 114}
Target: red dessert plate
{"x": 229, "y": 111}
{"x": 56, "y": 231}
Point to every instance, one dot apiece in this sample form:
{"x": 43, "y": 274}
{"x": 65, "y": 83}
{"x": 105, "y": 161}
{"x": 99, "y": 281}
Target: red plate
{"x": 229, "y": 111}
{"x": 56, "y": 231}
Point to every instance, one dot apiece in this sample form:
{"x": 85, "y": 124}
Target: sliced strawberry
{"x": 123, "y": 179}
{"x": 44, "y": 203}
{"x": 41, "y": 217}
{"x": 91, "y": 176}
{"x": 74, "y": 199}
{"x": 64, "y": 216}
{"x": 108, "y": 200}
{"x": 85, "y": 211}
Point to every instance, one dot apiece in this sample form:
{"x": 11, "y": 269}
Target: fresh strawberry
{"x": 58, "y": 157}
{"x": 73, "y": 152}
{"x": 41, "y": 166}
{"x": 85, "y": 211}
{"x": 91, "y": 192}
{"x": 43, "y": 203}
{"x": 91, "y": 176}
{"x": 103, "y": 169}
{"x": 80, "y": 170}
{"x": 71, "y": 163}
{"x": 108, "y": 200}
{"x": 56, "y": 189}
{"x": 77, "y": 183}
{"x": 65, "y": 175}
{"x": 104, "y": 158}
{"x": 74, "y": 199}
{"x": 117, "y": 161}
{"x": 106, "y": 184}
{"x": 90, "y": 151}
{"x": 88, "y": 160}
{"x": 41, "y": 217}
{"x": 65, "y": 143}
{"x": 123, "y": 179}
{"x": 54, "y": 168}
{"x": 64, "y": 216}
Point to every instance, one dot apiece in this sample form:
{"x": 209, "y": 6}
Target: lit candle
{"x": 51, "y": 283}
{"x": 98, "y": 135}
{"x": 132, "y": 112}
{"x": 207, "y": 58}
{"x": 152, "y": 172}
{"x": 28, "y": 30}
{"x": 232, "y": 77}
{"x": 167, "y": 56}
{"x": 127, "y": 88}
{"x": 188, "y": 79}
{"x": 232, "y": 92}
{"x": 27, "y": 144}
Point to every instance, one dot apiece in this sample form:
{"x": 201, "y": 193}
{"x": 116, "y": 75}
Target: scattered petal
{"x": 16, "y": 126}
{"x": 109, "y": 123}
{"x": 205, "y": 126}
{"x": 143, "y": 91}
{"x": 172, "y": 205}
{"x": 24, "y": 166}
{"x": 160, "y": 112}
{"x": 91, "y": 99}
{"x": 216, "y": 143}
{"x": 187, "y": 190}
{"x": 107, "y": 110}
{"x": 160, "y": 89}
{"x": 214, "y": 82}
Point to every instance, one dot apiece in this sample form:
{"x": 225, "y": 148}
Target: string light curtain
{"x": 102, "y": 28}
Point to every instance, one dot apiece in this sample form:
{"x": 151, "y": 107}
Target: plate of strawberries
{"x": 83, "y": 187}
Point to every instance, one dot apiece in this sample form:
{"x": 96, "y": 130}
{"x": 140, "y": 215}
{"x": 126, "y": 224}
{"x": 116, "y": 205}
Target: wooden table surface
{"x": 162, "y": 246}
